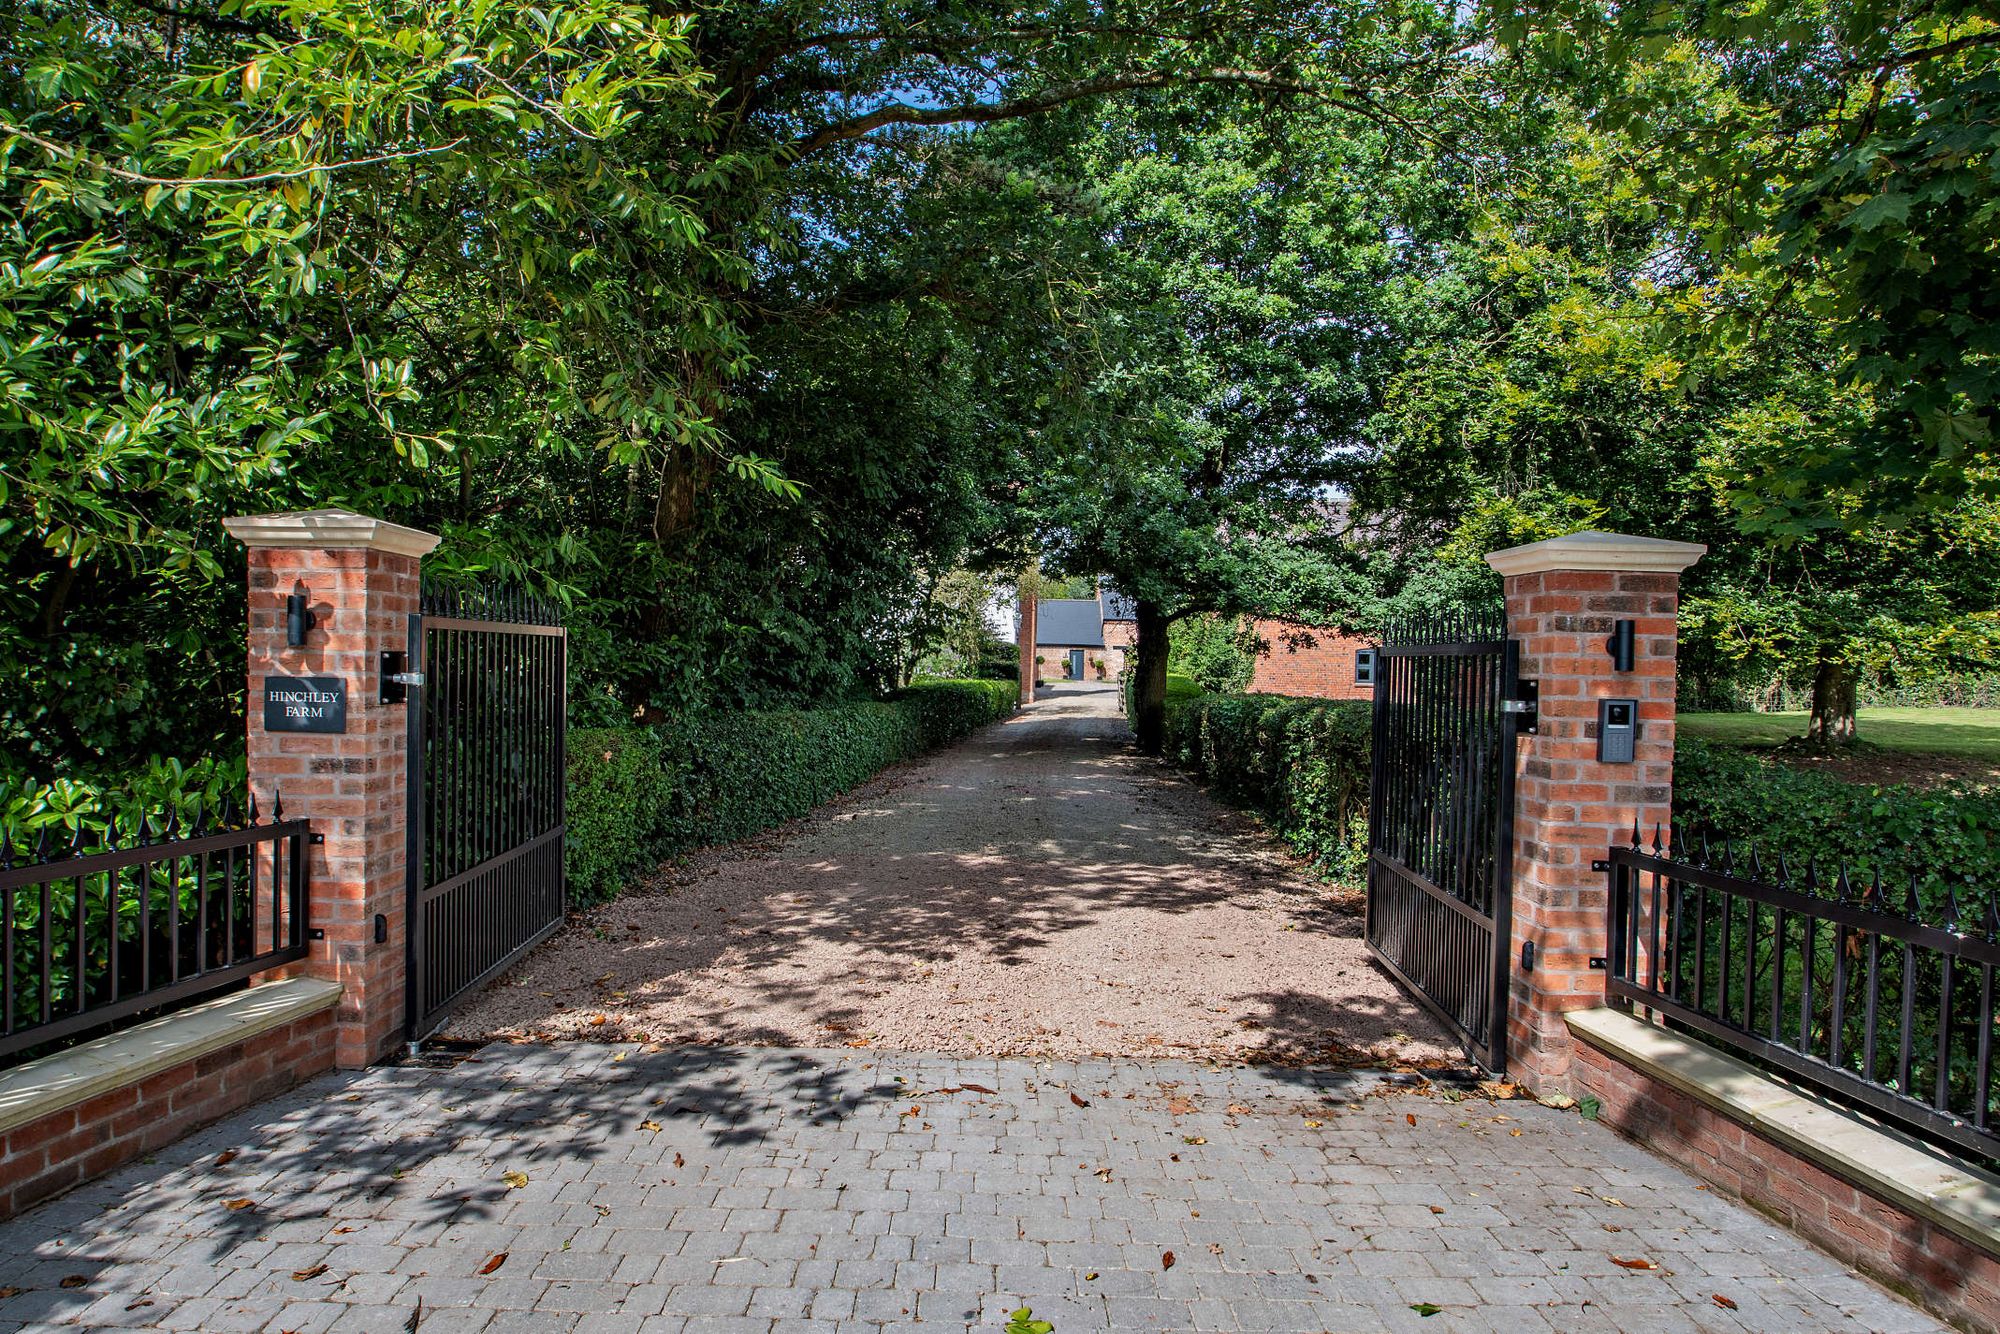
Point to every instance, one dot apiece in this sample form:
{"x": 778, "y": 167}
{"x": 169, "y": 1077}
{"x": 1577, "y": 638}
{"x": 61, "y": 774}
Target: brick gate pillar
{"x": 1024, "y": 638}
{"x": 1565, "y": 599}
{"x": 358, "y": 578}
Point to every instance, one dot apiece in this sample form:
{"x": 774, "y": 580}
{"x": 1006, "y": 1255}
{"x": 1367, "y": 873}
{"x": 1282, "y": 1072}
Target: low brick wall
{"x": 50, "y": 1153}
{"x": 1909, "y": 1255}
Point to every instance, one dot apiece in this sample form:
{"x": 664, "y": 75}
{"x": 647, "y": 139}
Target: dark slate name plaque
{"x": 305, "y": 704}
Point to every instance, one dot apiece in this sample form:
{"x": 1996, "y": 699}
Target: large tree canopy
{"x": 741, "y": 328}
{"x": 1840, "y": 153}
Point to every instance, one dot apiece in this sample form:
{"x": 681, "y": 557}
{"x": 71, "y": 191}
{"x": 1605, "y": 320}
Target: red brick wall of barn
{"x": 1306, "y": 660}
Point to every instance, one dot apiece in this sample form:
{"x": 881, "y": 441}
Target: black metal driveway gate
{"x": 1449, "y": 707}
{"x": 489, "y": 672}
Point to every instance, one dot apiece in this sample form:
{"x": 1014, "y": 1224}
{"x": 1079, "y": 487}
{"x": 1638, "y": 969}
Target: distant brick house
{"x": 1074, "y": 635}
{"x": 1311, "y": 660}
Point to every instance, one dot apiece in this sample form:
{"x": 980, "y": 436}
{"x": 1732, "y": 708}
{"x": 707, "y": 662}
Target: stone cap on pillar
{"x": 330, "y": 530}
{"x": 1598, "y": 551}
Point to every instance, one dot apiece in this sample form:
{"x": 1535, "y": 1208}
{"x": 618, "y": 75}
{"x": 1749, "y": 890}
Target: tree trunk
{"x": 1832, "y": 723}
{"x": 1149, "y": 691}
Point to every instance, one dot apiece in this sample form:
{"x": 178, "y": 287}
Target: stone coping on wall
{"x": 65, "y": 1078}
{"x": 330, "y": 530}
{"x": 1929, "y": 1183}
{"x": 1598, "y": 551}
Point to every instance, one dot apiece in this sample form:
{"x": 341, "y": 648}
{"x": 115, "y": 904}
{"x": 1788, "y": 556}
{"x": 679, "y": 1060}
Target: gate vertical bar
{"x": 1503, "y": 848}
{"x": 417, "y": 838}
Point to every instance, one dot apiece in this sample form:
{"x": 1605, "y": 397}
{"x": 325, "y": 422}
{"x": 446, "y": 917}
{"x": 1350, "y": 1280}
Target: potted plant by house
{"x": 1097, "y": 664}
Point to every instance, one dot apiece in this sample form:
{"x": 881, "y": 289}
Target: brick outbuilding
{"x": 1309, "y": 660}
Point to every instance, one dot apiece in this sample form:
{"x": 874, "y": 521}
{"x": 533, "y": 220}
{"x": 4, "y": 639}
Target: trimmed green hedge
{"x": 1300, "y": 763}
{"x": 1303, "y": 765}
{"x": 1947, "y": 838}
{"x": 641, "y": 795}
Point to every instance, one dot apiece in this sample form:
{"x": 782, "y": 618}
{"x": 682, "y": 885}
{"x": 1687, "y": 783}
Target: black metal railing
{"x": 90, "y": 939}
{"x": 1835, "y": 983}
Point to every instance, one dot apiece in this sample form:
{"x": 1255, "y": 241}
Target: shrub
{"x": 1300, "y": 763}
{"x": 93, "y": 813}
{"x": 641, "y": 795}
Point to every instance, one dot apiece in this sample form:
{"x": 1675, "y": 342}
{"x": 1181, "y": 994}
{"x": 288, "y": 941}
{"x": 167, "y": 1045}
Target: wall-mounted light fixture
{"x": 1619, "y": 646}
{"x": 299, "y": 616}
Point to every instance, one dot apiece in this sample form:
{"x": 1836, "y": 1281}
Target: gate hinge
{"x": 1600, "y": 866}
{"x": 1597, "y": 963}
{"x": 397, "y": 678}
{"x": 1526, "y": 703}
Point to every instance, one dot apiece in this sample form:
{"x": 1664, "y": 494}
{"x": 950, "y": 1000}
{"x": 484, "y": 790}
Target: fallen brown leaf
{"x": 225, "y": 1158}
{"x": 1166, "y": 1260}
{"x": 1411, "y": 1117}
{"x": 1722, "y": 1301}
{"x": 649, "y": 1125}
{"x": 1081, "y": 1102}
{"x": 979, "y": 1088}
{"x": 1637, "y": 1262}
{"x": 9, "y": 1291}
{"x": 234, "y": 1205}
{"x": 499, "y": 1258}
{"x": 514, "y": 1180}
{"x": 307, "y": 1275}
{"x": 680, "y": 1161}
{"x": 72, "y": 1281}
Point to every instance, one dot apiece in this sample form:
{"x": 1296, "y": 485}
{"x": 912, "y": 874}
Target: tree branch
{"x": 214, "y": 22}
{"x": 176, "y": 182}
{"x": 1905, "y": 59}
{"x": 976, "y": 113}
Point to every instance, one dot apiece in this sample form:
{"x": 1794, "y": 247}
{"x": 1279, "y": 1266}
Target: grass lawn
{"x": 1972, "y": 734}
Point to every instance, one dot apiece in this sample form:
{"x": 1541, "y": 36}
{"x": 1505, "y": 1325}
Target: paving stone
{"x": 801, "y": 1204}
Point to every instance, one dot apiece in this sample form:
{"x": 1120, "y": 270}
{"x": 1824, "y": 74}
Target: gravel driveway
{"x": 1036, "y": 890}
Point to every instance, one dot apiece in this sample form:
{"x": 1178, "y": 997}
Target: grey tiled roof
{"x": 1071, "y": 622}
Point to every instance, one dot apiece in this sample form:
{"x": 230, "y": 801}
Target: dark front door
{"x": 487, "y": 817}
{"x": 1076, "y": 664}
{"x": 1448, "y": 712}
